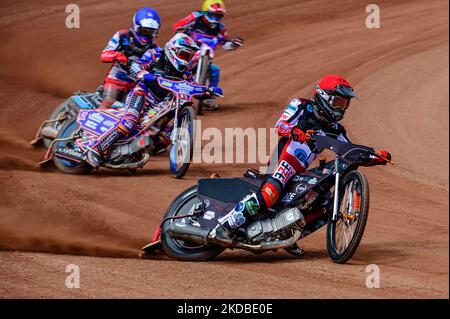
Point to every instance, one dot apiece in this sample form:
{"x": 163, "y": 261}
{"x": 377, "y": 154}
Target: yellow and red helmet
{"x": 213, "y": 11}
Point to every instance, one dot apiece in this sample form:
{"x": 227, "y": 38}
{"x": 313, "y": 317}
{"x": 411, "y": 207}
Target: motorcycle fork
{"x": 199, "y": 66}
{"x": 174, "y": 134}
{"x": 337, "y": 174}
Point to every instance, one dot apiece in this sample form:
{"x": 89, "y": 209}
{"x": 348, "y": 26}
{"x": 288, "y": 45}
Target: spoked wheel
{"x": 65, "y": 165}
{"x": 345, "y": 234}
{"x": 179, "y": 249}
{"x": 182, "y": 148}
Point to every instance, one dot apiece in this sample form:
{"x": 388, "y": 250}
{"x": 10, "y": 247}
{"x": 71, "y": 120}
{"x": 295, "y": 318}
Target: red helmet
{"x": 332, "y": 96}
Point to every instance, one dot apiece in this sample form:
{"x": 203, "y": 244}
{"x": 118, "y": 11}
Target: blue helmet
{"x": 146, "y": 24}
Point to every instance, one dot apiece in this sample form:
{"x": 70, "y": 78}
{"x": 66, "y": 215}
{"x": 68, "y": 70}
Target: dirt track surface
{"x": 99, "y": 222}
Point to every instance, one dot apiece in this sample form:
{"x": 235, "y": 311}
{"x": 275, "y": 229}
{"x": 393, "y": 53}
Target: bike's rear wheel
{"x": 179, "y": 249}
{"x": 345, "y": 234}
{"x": 67, "y": 131}
{"x": 60, "y": 109}
{"x": 182, "y": 149}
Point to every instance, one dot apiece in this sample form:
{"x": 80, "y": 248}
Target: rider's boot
{"x": 93, "y": 158}
{"x": 96, "y": 153}
{"x": 245, "y": 209}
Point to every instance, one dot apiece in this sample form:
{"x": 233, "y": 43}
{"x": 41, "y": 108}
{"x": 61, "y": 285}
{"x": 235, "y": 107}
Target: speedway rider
{"x": 126, "y": 46}
{"x": 208, "y": 21}
{"x": 172, "y": 61}
{"x": 301, "y": 118}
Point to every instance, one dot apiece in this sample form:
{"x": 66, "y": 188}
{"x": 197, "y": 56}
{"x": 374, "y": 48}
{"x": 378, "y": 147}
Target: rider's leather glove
{"x": 233, "y": 44}
{"x": 111, "y": 56}
{"x": 383, "y": 155}
{"x": 121, "y": 58}
{"x": 135, "y": 69}
{"x": 298, "y": 135}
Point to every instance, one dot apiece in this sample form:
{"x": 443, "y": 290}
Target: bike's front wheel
{"x": 182, "y": 149}
{"x": 345, "y": 234}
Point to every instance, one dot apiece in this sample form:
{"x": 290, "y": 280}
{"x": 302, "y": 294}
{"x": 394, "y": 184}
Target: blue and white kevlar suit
{"x": 144, "y": 96}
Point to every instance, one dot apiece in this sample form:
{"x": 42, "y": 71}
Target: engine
{"x": 280, "y": 227}
{"x": 135, "y": 147}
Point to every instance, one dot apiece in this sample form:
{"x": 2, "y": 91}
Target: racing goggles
{"x": 340, "y": 103}
{"x": 214, "y": 16}
{"x": 147, "y": 32}
{"x": 184, "y": 54}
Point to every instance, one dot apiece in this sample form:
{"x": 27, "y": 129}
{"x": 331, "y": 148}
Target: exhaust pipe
{"x": 187, "y": 232}
{"x": 272, "y": 245}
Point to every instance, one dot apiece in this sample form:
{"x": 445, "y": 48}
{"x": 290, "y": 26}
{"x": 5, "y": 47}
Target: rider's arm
{"x": 189, "y": 76}
{"x": 229, "y": 44}
{"x": 111, "y": 52}
{"x": 187, "y": 22}
{"x": 289, "y": 118}
{"x": 143, "y": 65}
{"x": 225, "y": 41}
{"x": 148, "y": 58}
{"x": 223, "y": 33}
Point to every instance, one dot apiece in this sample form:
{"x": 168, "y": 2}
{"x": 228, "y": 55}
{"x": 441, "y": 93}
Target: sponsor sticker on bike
{"x": 301, "y": 188}
{"x": 209, "y": 215}
{"x": 288, "y": 197}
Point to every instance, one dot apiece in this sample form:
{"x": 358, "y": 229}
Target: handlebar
{"x": 238, "y": 41}
{"x": 383, "y": 158}
{"x": 329, "y": 141}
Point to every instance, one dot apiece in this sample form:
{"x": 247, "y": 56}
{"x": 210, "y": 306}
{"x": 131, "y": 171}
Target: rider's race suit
{"x": 194, "y": 22}
{"x": 121, "y": 48}
{"x": 293, "y": 158}
{"x": 142, "y": 98}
